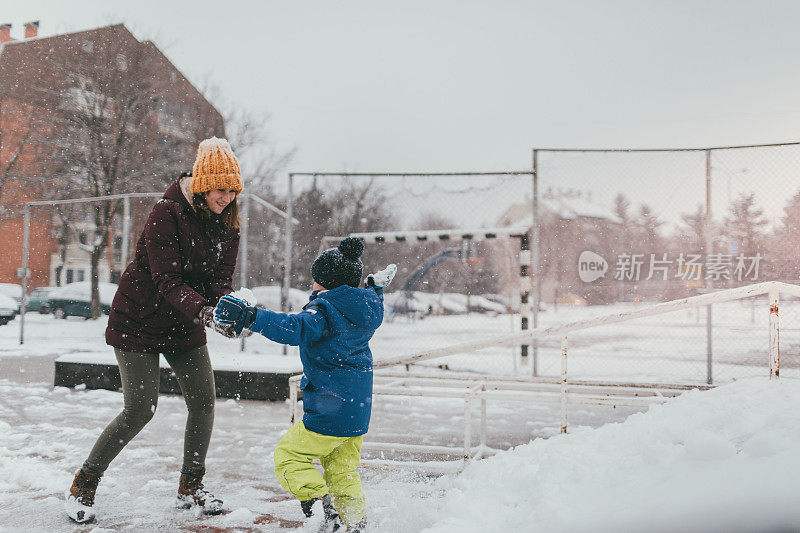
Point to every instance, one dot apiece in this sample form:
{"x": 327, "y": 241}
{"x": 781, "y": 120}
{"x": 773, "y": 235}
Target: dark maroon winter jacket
{"x": 183, "y": 262}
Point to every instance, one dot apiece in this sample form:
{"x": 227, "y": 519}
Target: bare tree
{"x": 117, "y": 134}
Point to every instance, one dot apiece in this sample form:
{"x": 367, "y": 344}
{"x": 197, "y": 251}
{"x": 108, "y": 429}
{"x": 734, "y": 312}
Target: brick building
{"x": 45, "y": 81}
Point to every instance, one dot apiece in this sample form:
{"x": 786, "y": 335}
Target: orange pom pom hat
{"x": 215, "y": 167}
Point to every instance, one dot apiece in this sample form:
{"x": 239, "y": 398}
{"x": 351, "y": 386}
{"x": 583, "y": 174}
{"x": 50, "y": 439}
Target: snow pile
{"x": 721, "y": 460}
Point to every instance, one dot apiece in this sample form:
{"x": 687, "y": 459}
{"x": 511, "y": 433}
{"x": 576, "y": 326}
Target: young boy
{"x": 333, "y": 332}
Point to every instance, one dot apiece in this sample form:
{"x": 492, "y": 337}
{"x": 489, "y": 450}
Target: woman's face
{"x": 218, "y": 199}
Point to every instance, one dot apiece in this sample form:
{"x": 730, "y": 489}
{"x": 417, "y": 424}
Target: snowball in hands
{"x": 246, "y": 295}
{"x": 383, "y": 277}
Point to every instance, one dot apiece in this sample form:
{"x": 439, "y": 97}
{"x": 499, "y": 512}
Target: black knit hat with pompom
{"x": 339, "y": 266}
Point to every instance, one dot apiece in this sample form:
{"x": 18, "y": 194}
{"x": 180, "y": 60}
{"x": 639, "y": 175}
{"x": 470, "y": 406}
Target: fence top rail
{"x": 441, "y": 234}
{"x": 665, "y": 149}
{"x": 726, "y": 295}
{"x": 260, "y": 201}
{"x": 63, "y": 201}
{"x": 97, "y": 198}
{"x": 414, "y": 174}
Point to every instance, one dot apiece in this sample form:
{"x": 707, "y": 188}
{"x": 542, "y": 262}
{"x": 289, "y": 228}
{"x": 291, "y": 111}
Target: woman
{"x": 184, "y": 262}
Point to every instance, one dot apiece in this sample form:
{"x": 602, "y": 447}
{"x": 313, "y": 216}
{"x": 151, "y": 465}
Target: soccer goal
{"x": 461, "y": 245}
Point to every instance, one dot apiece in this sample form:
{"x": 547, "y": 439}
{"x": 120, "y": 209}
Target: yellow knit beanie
{"x": 216, "y": 167}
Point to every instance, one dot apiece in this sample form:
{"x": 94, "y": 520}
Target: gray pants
{"x": 140, "y": 381}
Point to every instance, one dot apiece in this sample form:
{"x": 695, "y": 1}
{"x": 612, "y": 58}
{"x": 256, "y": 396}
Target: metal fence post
{"x": 126, "y": 232}
{"x": 774, "y": 337}
{"x": 243, "y": 231}
{"x": 535, "y": 282}
{"x": 708, "y": 246}
{"x": 467, "y": 427}
{"x": 564, "y": 384}
{"x": 292, "y": 401}
{"x": 287, "y": 257}
{"x": 26, "y": 235}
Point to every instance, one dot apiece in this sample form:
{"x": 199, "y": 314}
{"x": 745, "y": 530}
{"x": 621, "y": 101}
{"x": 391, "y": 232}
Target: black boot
{"x": 306, "y": 506}
{"x": 331, "y": 521}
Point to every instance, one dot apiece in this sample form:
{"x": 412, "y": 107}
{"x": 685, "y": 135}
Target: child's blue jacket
{"x": 333, "y": 332}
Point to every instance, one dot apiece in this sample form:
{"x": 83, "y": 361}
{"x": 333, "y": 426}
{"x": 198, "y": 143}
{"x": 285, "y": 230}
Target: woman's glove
{"x": 383, "y": 277}
{"x": 207, "y": 318}
{"x": 234, "y": 313}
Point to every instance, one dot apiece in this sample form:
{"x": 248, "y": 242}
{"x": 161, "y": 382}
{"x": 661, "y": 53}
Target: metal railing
{"x": 552, "y": 390}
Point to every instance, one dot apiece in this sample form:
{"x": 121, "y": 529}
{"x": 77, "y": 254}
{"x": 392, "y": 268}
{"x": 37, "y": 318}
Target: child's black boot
{"x": 330, "y": 521}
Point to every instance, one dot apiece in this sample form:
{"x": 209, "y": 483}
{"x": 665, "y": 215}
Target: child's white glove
{"x": 382, "y": 278}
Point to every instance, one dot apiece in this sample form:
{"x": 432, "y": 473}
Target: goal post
{"x": 467, "y": 235}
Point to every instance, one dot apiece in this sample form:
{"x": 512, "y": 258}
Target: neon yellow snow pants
{"x": 339, "y": 457}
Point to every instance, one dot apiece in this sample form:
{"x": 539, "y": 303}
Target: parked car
{"x": 8, "y": 309}
{"x": 39, "y": 300}
{"x": 74, "y": 299}
{"x": 12, "y": 290}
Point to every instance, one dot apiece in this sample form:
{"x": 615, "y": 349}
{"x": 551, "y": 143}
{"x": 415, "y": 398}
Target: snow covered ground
{"x": 722, "y": 460}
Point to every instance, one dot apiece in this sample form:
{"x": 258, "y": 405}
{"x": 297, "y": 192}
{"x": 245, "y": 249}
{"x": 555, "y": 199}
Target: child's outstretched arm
{"x": 306, "y": 326}
{"x": 303, "y": 327}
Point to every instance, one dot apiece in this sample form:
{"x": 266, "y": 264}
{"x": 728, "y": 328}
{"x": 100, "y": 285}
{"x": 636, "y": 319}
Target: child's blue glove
{"x": 232, "y": 311}
{"x": 382, "y": 278}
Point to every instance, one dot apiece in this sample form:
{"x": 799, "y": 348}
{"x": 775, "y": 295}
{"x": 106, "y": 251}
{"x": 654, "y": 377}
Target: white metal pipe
{"x": 657, "y": 309}
{"x": 26, "y": 233}
{"x": 438, "y": 467}
{"x": 245, "y": 241}
{"x": 126, "y": 233}
{"x": 286, "y": 305}
{"x": 483, "y": 419}
{"x": 292, "y": 401}
{"x": 564, "y": 384}
{"x": 452, "y": 234}
{"x": 467, "y": 430}
{"x": 98, "y": 198}
{"x": 774, "y": 337}
{"x": 529, "y": 380}
{"x": 437, "y": 392}
{"x": 535, "y": 282}
{"x": 260, "y": 201}
{"x": 414, "y": 448}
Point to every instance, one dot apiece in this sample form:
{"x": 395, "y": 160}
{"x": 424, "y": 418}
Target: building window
{"x": 75, "y": 274}
{"x": 82, "y": 237}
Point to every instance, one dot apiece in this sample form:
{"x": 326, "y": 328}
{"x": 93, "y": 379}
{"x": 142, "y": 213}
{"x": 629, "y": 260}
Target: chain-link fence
{"x": 664, "y": 224}
{"x": 615, "y": 230}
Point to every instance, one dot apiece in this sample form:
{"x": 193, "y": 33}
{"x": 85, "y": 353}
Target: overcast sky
{"x": 475, "y": 85}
